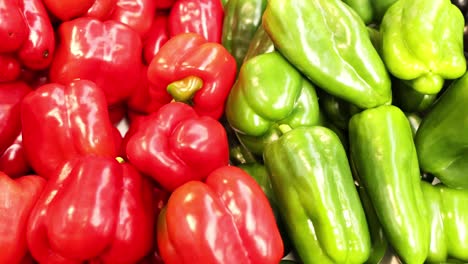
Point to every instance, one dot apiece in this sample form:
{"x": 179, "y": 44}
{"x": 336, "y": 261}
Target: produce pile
{"x": 233, "y": 131}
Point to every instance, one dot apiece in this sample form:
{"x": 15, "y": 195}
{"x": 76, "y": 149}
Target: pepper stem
{"x": 284, "y": 128}
{"x": 120, "y": 160}
{"x": 183, "y": 90}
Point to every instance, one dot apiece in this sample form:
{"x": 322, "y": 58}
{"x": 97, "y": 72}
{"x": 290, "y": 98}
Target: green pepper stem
{"x": 183, "y": 90}
{"x": 284, "y": 128}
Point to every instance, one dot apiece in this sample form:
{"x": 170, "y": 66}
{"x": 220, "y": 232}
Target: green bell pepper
{"x": 241, "y": 20}
{"x": 261, "y": 43}
{"x": 328, "y": 42}
{"x": 384, "y": 157}
{"x": 336, "y": 110}
{"x": 422, "y": 43}
{"x": 442, "y": 138}
{"x": 449, "y": 222}
{"x": 410, "y": 100}
{"x": 269, "y": 97}
{"x": 370, "y": 10}
{"x": 315, "y": 191}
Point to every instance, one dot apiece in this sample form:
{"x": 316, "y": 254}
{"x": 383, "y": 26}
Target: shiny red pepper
{"x": 68, "y": 9}
{"x": 10, "y": 68}
{"x": 95, "y": 209}
{"x": 17, "y": 199}
{"x": 204, "y": 17}
{"x": 226, "y": 220}
{"x": 13, "y": 161}
{"x": 156, "y": 37}
{"x": 175, "y": 145}
{"x": 38, "y": 49}
{"x": 101, "y": 9}
{"x": 194, "y": 70}
{"x": 13, "y": 28}
{"x": 64, "y": 122}
{"x": 137, "y": 14}
{"x": 107, "y": 53}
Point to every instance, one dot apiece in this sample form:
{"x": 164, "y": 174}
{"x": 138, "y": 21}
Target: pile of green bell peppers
{"x": 353, "y": 117}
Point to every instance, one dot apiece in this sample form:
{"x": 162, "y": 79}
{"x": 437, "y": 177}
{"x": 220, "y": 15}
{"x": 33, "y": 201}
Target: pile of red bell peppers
{"x": 232, "y": 132}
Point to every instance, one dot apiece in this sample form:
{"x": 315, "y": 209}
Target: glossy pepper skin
{"x": 195, "y": 71}
{"x": 13, "y": 27}
{"x": 441, "y": 141}
{"x": 101, "y": 9}
{"x": 410, "y": 100}
{"x": 261, "y": 43}
{"x": 204, "y": 17}
{"x": 68, "y": 9}
{"x": 337, "y": 111}
{"x": 13, "y": 160}
{"x": 422, "y": 43}
{"x": 38, "y": 49}
{"x": 16, "y": 202}
{"x": 137, "y": 14}
{"x": 233, "y": 221}
{"x": 336, "y": 53}
{"x": 65, "y": 122}
{"x": 175, "y": 145}
{"x": 156, "y": 37}
{"x": 241, "y": 20}
{"x": 449, "y": 222}
{"x": 115, "y": 66}
{"x": 93, "y": 208}
{"x": 10, "y": 68}
{"x": 314, "y": 189}
{"x": 384, "y": 156}
{"x": 268, "y": 95}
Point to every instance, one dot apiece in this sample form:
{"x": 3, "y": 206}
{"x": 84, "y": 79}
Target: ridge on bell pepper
{"x": 175, "y": 145}
{"x": 314, "y": 188}
{"x": 17, "y": 199}
{"x": 384, "y": 157}
{"x": 93, "y": 208}
{"x": 449, "y": 221}
{"x": 157, "y": 36}
{"x": 442, "y": 141}
{"x": 106, "y": 53}
{"x": 203, "y": 17}
{"x": 225, "y": 220}
{"x": 64, "y": 122}
{"x": 194, "y": 71}
{"x": 336, "y": 53}
{"x": 422, "y": 43}
{"x": 269, "y": 94}
{"x": 137, "y": 14}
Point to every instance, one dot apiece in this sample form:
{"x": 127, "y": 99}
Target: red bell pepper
{"x": 137, "y": 14}
{"x": 164, "y": 4}
{"x": 10, "y": 68}
{"x": 156, "y": 37}
{"x": 194, "y": 70}
{"x": 107, "y": 53}
{"x": 13, "y": 28}
{"x": 68, "y": 9}
{"x": 175, "y": 145}
{"x": 13, "y": 161}
{"x": 11, "y": 96}
{"x": 17, "y": 199}
{"x": 145, "y": 99}
{"x": 38, "y": 49}
{"x": 101, "y": 9}
{"x": 204, "y": 17}
{"x": 95, "y": 209}
{"x": 33, "y": 78}
{"x": 226, "y": 220}
{"x": 64, "y": 122}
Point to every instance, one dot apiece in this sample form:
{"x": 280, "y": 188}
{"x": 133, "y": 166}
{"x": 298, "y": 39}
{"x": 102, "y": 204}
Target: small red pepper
{"x": 204, "y": 17}
{"x": 137, "y": 14}
{"x": 38, "y": 50}
{"x": 107, "y": 53}
{"x": 13, "y": 28}
{"x": 226, "y": 220}
{"x": 93, "y": 209}
{"x": 17, "y": 199}
{"x": 175, "y": 145}
{"x": 156, "y": 37}
{"x": 64, "y": 122}
{"x": 10, "y": 67}
{"x": 194, "y": 70}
